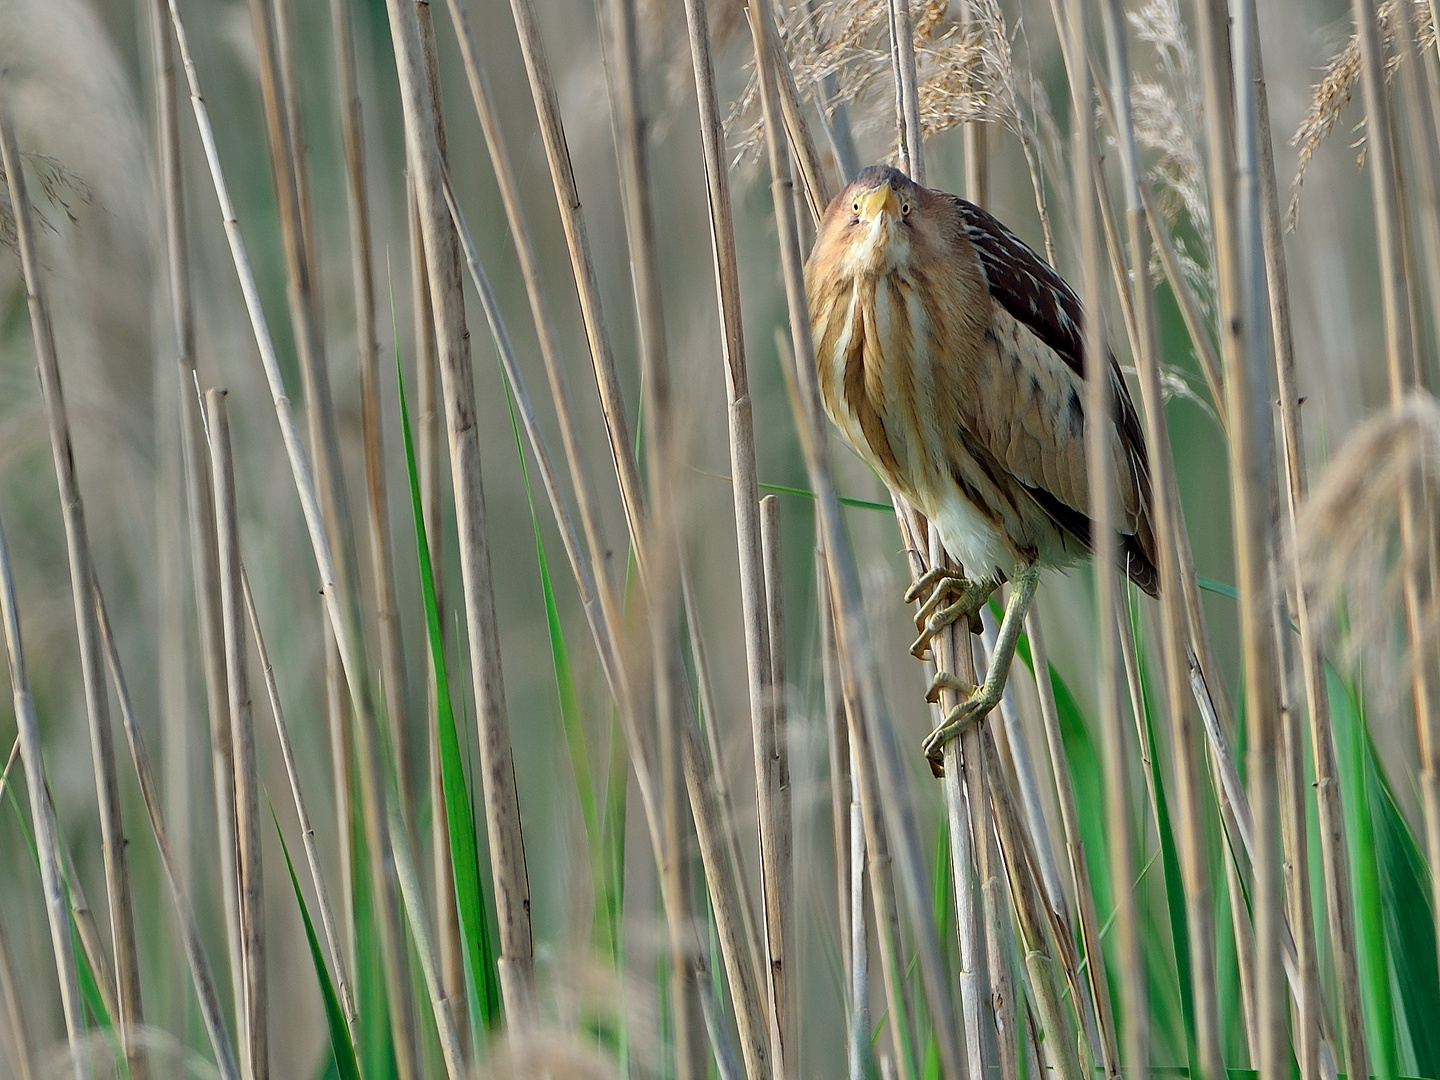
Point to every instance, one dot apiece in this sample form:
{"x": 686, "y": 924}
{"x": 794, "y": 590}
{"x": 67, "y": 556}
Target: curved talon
{"x": 970, "y": 711}
{"x": 945, "y": 680}
{"x": 973, "y": 595}
{"x": 928, "y": 578}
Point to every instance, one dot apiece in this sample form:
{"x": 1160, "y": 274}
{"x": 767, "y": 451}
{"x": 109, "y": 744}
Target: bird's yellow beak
{"x": 880, "y": 201}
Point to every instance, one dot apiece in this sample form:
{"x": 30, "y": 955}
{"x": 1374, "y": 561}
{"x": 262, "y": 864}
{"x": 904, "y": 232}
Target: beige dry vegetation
{"x": 704, "y": 839}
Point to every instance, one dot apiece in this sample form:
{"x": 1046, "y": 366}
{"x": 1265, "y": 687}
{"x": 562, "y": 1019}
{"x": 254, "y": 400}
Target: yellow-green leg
{"x": 934, "y": 615}
{"x": 979, "y": 700}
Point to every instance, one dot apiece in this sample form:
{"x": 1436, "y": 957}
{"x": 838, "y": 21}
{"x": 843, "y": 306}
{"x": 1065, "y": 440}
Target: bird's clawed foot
{"x": 973, "y": 708}
{"x": 934, "y": 614}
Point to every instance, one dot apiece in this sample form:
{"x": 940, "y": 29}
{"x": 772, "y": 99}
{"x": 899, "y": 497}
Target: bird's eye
{"x": 855, "y": 206}
{"x": 905, "y": 208}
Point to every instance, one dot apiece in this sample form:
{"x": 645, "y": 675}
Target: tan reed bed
{"x": 1008, "y": 944}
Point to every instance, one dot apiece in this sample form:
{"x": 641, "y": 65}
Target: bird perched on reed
{"x": 951, "y": 358}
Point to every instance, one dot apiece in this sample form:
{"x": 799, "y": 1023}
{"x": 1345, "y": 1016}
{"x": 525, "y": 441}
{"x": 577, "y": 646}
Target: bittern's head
{"x": 869, "y": 228}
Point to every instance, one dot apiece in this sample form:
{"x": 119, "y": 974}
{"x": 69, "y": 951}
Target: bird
{"x": 950, "y": 357}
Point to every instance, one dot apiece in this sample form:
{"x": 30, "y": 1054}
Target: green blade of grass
{"x": 1170, "y": 857}
{"x": 1409, "y": 926}
{"x": 482, "y": 980}
{"x": 605, "y": 931}
{"x": 1349, "y": 719}
{"x": 347, "y": 1066}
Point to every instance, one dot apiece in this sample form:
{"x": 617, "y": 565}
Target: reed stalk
{"x": 382, "y": 563}
{"x": 567, "y": 198}
{"x": 716, "y": 842}
{"x": 253, "y": 1006}
{"x": 447, "y": 913}
{"x": 442, "y": 254}
{"x": 672, "y": 693}
{"x": 1095, "y": 974}
{"x": 1235, "y": 214}
{"x": 1099, "y": 404}
{"x": 907, "y": 97}
{"x": 1056, "y": 1019}
{"x": 1329, "y": 809}
{"x": 16, "y": 1039}
{"x": 170, "y": 397}
{"x": 343, "y": 618}
{"x": 1314, "y": 1029}
{"x": 775, "y": 820}
{"x": 761, "y": 682}
{"x": 594, "y": 582}
{"x": 77, "y": 545}
{"x": 302, "y": 814}
{"x": 206, "y": 992}
{"x": 27, "y": 721}
{"x": 1185, "y": 742}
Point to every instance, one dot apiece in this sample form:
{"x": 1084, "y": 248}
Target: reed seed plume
{"x": 962, "y": 76}
{"x": 1332, "y": 93}
{"x": 1351, "y": 558}
{"x": 1167, "y": 112}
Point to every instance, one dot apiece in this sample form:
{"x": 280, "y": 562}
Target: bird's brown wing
{"x": 1050, "y": 460}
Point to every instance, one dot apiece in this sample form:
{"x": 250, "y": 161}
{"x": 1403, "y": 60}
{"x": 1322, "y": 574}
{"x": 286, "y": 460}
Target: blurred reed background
{"x": 596, "y": 764}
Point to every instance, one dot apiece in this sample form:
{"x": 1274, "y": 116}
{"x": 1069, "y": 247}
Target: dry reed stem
{"x": 873, "y": 735}
{"x": 77, "y": 543}
{"x": 1058, "y": 1021}
{"x": 286, "y": 143}
{"x": 721, "y": 862}
{"x": 1314, "y": 1037}
{"x": 254, "y": 1004}
{"x": 1014, "y": 750}
{"x": 859, "y": 941}
{"x": 1185, "y": 742}
{"x": 442, "y": 254}
{"x": 1075, "y": 850}
{"x": 1070, "y": 26}
{"x": 743, "y": 469}
{"x": 16, "y": 1038}
{"x": 848, "y": 832}
{"x": 446, "y": 1024}
{"x": 382, "y": 564}
{"x": 780, "y": 891}
{"x": 734, "y": 861}
{"x": 594, "y": 588}
{"x": 907, "y": 95}
{"x": 343, "y": 619}
{"x": 172, "y": 398}
{"x": 567, "y": 197}
{"x": 201, "y": 975}
{"x": 1235, "y": 212}
{"x": 837, "y": 745}
{"x": 42, "y": 815}
{"x": 815, "y": 186}
{"x": 1011, "y": 776}
{"x": 87, "y": 930}
{"x": 302, "y": 814}
{"x": 447, "y": 913}
{"x": 673, "y": 704}
{"x": 973, "y": 132}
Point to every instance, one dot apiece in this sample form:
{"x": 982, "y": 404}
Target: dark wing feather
{"x": 1035, "y": 294}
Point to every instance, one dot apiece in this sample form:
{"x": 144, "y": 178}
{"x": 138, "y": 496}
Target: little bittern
{"x": 951, "y": 357}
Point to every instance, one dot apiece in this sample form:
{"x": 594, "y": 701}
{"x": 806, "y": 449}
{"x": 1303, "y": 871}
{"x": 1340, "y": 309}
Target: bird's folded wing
{"x": 1029, "y": 407}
